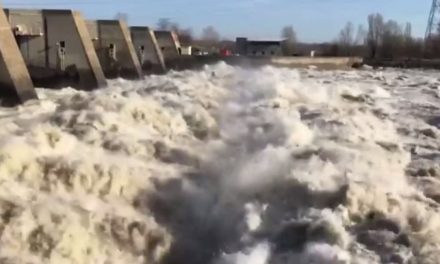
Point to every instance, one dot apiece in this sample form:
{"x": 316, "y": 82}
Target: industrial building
{"x": 169, "y": 45}
{"x": 56, "y": 48}
{"x": 247, "y": 47}
{"x": 147, "y": 50}
{"x": 15, "y": 82}
{"x": 115, "y": 50}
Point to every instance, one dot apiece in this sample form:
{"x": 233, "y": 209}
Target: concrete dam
{"x": 59, "y": 48}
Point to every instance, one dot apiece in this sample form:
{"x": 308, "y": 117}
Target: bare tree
{"x": 346, "y": 38}
{"x": 408, "y": 39}
{"x": 375, "y": 33}
{"x": 289, "y": 35}
{"x": 185, "y": 36}
{"x": 175, "y": 27}
{"x": 122, "y": 16}
{"x": 164, "y": 24}
{"x": 393, "y": 40}
{"x": 412, "y": 47}
{"x": 210, "y": 35}
{"x": 361, "y": 35}
{"x": 408, "y": 30}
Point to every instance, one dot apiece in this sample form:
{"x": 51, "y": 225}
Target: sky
{"x": 313, "y": 20}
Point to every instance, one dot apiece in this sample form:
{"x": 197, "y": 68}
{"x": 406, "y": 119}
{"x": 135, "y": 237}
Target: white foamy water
{"x": 226, "y": 166}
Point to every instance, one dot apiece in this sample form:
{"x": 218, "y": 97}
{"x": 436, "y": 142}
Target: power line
{"x": 433, "y": 19}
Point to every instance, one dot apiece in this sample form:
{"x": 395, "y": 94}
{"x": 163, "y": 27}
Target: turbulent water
{"x": 226, "y": 166}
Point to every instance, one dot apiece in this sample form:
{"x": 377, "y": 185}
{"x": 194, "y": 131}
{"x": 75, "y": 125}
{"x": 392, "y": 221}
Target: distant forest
{"x": 381, "y": 39}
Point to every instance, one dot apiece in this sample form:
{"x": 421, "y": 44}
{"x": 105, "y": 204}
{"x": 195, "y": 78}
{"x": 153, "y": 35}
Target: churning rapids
{"x": 226, "y": 166}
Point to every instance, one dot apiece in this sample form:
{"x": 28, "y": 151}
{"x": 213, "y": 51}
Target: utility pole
{"x": 434, "y": 19}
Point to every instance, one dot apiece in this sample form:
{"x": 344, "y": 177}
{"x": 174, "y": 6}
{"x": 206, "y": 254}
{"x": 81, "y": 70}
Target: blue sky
{"x": 314, "y": 20}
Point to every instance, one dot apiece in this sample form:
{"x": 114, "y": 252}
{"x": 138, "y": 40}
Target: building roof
{"x": 264, "y": 42}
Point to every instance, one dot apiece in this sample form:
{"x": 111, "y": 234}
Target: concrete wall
{"x": 405, "y": 63}
{"x": 264, "y": 50}
{"x": 169, "y": 45}
{"x": 124, "y": 62}
{"x": 147, "y": 49}
{"x": 321, "y": 63}
{"x": 40, "y": 34}
{"x": 15, "y": 83}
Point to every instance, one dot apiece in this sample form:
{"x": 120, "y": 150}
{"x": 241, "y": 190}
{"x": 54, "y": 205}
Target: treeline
{"x": 382, "y": 40}
{"x": 209, "y": 35}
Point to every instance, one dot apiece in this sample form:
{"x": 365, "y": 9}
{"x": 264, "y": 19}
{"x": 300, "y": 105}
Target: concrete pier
{"x": 113, "y": 44}
{"x": 57, "y": 48}
{"x": 15, "y": 82}
{"x": 169, "y": 45}
{"x": 147, "y": 49}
